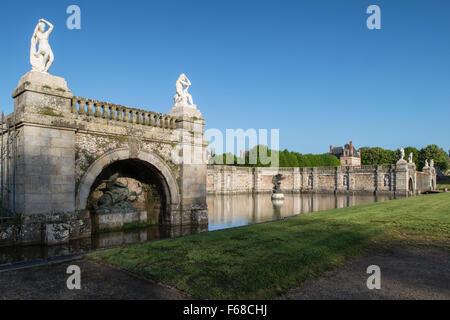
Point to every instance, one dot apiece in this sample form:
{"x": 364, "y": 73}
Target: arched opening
{"x": 411, "y": 185}
{"x": 140, "y": 177}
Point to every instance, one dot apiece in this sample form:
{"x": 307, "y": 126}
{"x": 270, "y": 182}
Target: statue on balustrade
{"x": 182, "y": 97}
{"x": 402, "y": 154}
{"x": 41, "y": 59}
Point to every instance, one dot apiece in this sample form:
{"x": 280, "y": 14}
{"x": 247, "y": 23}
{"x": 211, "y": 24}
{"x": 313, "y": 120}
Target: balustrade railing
{"x": 104, "y": 110}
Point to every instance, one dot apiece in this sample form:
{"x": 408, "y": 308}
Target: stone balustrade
{"x": 103, "y": 110}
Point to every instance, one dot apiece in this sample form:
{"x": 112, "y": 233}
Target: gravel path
{"x": 406, "y": 273}
{"x": 98, "y": 281}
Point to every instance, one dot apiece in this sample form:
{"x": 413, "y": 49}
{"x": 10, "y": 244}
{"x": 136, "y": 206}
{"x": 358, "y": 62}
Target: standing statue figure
{"x": 41, "y": 59}
{"x": 402, "y": 152}
{"x": 410, "y": 158}
{"x": 182, "y": 98}
{"x": 426, "y": 164}
{"x": 432, "y": 163}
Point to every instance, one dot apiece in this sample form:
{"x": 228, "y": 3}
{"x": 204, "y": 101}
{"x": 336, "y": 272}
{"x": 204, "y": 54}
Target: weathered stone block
{"x": 56, "y": 233}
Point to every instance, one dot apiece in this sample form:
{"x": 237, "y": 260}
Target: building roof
{"x": 339, "y": 151}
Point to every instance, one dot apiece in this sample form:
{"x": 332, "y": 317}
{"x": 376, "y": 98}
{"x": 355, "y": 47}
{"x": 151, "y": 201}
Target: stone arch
{"x": 96, "y": 168}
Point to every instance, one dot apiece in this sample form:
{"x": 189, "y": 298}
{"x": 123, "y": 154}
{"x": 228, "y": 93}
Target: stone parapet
{"x": 381, "y": 179}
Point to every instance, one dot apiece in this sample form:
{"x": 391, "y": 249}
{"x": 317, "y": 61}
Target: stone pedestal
{"x": 44, "y": 79}
{"x": 192, "y": 162}
{"x": 45, "y": 150}
{"x": 187, "y": 111}
{"x": 401, "y": 178}
{"x": 277, "y": 196}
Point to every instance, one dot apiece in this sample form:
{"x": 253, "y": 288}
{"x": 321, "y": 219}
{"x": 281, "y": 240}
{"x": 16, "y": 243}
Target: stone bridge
{"x": 68, "y": 145}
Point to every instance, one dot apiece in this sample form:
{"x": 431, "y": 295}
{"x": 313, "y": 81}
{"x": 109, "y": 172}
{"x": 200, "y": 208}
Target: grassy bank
{"x": 265, "y": 260}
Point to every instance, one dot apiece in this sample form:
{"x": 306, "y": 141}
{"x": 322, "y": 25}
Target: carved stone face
{"x": 41, "y": 27}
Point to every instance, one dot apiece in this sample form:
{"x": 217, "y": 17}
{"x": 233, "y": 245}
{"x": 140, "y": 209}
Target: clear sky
{"x": 309, "y": 68}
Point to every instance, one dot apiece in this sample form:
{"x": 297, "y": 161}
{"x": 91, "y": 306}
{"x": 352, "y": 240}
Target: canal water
{"x": 225, "y": 211}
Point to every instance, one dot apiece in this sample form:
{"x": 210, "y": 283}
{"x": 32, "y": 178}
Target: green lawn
{"x": 266, "y": 260}
{"x": 443, "y": 183}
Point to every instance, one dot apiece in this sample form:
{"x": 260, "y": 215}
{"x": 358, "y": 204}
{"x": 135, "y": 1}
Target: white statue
{"x": 426, "y": 164}
{"x": 410, "y": 158}
{"x": 182, "y": 97}
{"x": 402, "y": 154}
{"x": 41, "y": 59}
{"x": 432, "y": 163}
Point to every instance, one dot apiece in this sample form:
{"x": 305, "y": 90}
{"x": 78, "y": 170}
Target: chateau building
{"x": 348, "y": 155}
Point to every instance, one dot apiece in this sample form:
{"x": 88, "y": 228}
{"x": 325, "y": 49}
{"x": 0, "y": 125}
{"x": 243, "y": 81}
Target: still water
{"x": 225, "y": 211}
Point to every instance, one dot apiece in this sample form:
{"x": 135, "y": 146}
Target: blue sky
{"x": 309, "y": 68}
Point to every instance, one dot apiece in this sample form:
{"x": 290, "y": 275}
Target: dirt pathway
{"x": 406, "y": 273}
{"x": 98, "y": 281}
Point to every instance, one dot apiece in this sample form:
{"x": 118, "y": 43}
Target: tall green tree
{"x": 376, "y": 155}
{"x": 432, "y": 151}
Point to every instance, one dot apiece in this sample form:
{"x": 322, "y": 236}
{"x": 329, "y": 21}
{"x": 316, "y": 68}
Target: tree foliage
{"x": 371, "y": 156}
{"x": 260, "y": 156}
{"x": 432, "y": 151}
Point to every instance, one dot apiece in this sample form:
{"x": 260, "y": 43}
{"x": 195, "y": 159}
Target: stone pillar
{"x": 340, "y": 172}
{"x": 315, "y": 179}
{"x": 431, "y": 177}
{"x": 296, "y": 182}
{"x": 401, "y": 178}
{"x": 257, "y": 180}
{"x": 351, "y": 178}
{"x": 379, "y": 178}
{"x": 193, "y": 166}
{"x": 306, "y": 173}
{"x": 45, "y": 183}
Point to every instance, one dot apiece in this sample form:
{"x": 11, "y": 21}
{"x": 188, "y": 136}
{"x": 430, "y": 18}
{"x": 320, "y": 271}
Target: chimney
{"x": 331, "y": 149}
{"x": 351, "y": 148}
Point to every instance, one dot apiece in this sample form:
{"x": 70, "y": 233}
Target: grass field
{"x": 266, "y": 260}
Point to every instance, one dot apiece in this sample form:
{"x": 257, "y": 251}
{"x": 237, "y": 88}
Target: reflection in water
{"x": 225, "y": 211}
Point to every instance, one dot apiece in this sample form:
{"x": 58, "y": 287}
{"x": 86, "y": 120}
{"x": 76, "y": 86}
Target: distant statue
{"x": 41, "y": 59}
{"x": 432, "y": 163}
{"x": 116, "y": 196}
{"x": 426, "y": 164}
{"x": 182, "y": 97}
{"x": 402, "y": 153}
{"x": 410, "y": 158}
{"x": 276, "y": 180}
{"x": 387, "y": 180}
